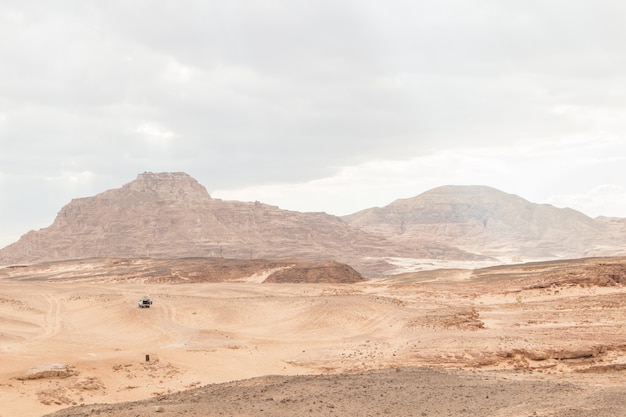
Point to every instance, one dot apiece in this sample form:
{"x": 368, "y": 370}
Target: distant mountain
{"x": 165, "y": 215}
{"x": 486, "y": 221}
{"x": 170, "y": 215}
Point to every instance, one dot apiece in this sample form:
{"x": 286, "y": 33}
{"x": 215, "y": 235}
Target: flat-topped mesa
{"x": 168, "y": 186}
{"x": 170, "y": 215}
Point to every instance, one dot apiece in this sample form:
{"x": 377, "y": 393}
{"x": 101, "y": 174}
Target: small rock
{"x": 53, "y": 370}
{"x": 159, "y": 409}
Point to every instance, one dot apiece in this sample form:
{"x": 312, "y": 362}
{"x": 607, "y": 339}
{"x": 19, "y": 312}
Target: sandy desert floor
{"x": 539, "y": 339}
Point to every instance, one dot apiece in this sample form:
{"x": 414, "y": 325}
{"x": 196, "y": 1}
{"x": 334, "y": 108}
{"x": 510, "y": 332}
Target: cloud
{"x": 77, "y": 178}
{"x": 283, "y": 96}
{"x": 35, "y": 199}
{"x": 155, "y": 135}
{"x": 531, "y": 170}
{"x": 603, "y": 200}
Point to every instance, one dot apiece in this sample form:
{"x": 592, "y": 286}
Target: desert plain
{"x": 536, "y": 339}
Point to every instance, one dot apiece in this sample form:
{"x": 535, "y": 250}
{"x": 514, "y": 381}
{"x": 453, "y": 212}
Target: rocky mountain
{"x": 170, "y": 215}
{"x": 164, "y": 215}
{"x": 487, "y": 221}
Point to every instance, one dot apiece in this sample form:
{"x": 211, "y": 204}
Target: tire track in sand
{"x": 178, "y": 333}
{"x": 52, "y": 319}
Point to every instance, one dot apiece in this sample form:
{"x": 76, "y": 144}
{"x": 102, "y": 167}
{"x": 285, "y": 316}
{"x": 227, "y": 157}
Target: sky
{"x": 332, "y": 106}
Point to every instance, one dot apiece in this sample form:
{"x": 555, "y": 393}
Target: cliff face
{"x": 136, "y": 219}
{"x": 171, "y": 215}
{"x": 490, "y": 222}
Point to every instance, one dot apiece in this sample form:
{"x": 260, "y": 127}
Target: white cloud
{"x": 374, "y": 183}
{"x": 37, "y": 198}
{"x": 155, "y": 135}
{"x": 325, "y": 105}
{"x": 175, "y": 72}
{"x": 70, "y": 177}
{"x": 532, "y": 170}
{"x": 604, "y": 200}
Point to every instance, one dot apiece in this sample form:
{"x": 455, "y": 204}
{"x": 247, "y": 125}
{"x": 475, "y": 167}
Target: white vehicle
{"x": 145, "y": 302}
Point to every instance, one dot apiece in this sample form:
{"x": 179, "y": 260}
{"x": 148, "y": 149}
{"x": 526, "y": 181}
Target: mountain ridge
{"x": 485, "y": 220}
{"x": 163, "y": 215}
{"x": 172, "y": 215}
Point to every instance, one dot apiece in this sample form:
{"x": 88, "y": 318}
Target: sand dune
{"x": 525, "y": 323}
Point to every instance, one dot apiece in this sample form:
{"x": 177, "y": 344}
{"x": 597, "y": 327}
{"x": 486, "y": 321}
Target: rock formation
{"x": 166, "y": 215}
{"x": 53, "y": 370}
{"x": 487, "y": 221}
{"x": 170, "y": 215}
{"x": 184, "y": 271}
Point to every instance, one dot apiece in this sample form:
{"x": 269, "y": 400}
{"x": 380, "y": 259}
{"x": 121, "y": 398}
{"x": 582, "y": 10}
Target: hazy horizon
{"x": 312, "y": 106}
{"x": 224, "y": 196}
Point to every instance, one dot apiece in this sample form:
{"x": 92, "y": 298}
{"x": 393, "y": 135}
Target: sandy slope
{"x": 499, "y": 323}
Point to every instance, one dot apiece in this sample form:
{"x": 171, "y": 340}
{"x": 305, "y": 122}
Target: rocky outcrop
{"x": 53, "y": 370}
{"x": 316, "y": 273}
{"x": 186, "y": 271}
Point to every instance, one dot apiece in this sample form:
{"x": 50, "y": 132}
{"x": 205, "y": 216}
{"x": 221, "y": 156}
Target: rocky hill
{"x": 170, "y": 215}
{"x": 487, "y": 221}
{"x": 184, "y": 271}
{"x": 166, "y": 215}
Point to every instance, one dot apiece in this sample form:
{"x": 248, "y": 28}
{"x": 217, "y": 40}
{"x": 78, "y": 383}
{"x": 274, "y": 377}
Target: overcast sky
{"x": 318, "y": 105}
